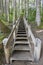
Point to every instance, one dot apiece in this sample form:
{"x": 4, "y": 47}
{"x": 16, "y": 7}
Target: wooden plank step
{"x": 17, "y": 55}
{"x": 22, "y": 47}
{"x": 21, "y": 32}
{"x": 21, "y": 42}
{"x": 21, "y": 37}
{"x": 21, "y": 28}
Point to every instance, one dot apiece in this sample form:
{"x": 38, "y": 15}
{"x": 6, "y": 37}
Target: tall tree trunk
{"x": 7, "y": 10}
{"x": 14, "y": 11}
{"x": 18, "y": 8}
{"x": 38, "y": 18}
{"x": 21, "y": 5}
{"x": 25, "y": 8}
{"x": 1, "y": 7}
{"x": 0, "y": 4}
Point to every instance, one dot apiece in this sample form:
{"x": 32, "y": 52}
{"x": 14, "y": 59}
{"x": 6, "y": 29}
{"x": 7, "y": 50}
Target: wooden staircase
{"x": 22, "y": 47}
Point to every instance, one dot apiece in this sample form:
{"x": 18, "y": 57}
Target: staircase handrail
{"x": 29, "y": 31}
{"x": 11, "y": 34}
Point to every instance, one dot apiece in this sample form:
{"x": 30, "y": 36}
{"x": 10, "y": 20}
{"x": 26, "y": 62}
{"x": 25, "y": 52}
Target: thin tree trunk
{"x": 0, "y": 4}
{"x": 7, "y": 10}
{"x": 18, "y": 8}
{"x": 14, "y": 11}
{"x": 1, "y": 7}
{"x": 21, "y": 5}
{"x": 25, "y": 8}
{"x": 38, "y": 18}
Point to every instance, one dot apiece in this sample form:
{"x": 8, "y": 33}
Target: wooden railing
{"x": 29, "y": 31}
{"x": 10, "y": 38}
{"x": 36, "y": 42}
{"x": 9, "y": 44}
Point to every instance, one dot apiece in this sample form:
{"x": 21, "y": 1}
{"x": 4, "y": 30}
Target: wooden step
{"x": 21, "y": 42}
{"x": 21, "y": 37}
{"x": 21, "y": 47}
{"x": 21, "y": 55}
{"x": 21, "y": 32}
{"x": 21, "y": 25}
{"x": 21, "y": 28}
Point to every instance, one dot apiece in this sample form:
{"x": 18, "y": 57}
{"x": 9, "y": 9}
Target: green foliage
{"x": 5, "y": 23}
{"x": 1, "y": 36}
{"x": 3, "y": 17}
{"x": 41, "y": 25}
{"x": 11, "y": 15}
{"x": 10, "y": 18}
{"x": 4, "y": 26}
{"x": 42, "y": 15}
{"x": 32, "y": 14}
{"x": 22, "y": 13}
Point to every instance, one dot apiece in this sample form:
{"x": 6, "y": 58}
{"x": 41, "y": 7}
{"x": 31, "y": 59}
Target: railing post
{"x": 14, "y": 33}
{"x": 6, "y": 51}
